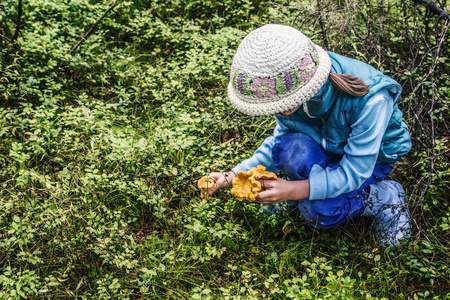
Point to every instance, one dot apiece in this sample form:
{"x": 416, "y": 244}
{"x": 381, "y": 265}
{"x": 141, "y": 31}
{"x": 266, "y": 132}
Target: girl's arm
{"x": 361, "y": 151}
{"x": 279, "y": 190}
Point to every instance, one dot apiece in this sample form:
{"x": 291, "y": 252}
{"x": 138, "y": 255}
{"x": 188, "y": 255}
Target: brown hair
{"x": 349, "y": 84}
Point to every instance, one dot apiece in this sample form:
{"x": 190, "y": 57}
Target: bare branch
{"x": 434, "y": 8}
{"x": 88, "y": 33}
{"x": 324, "y": 36}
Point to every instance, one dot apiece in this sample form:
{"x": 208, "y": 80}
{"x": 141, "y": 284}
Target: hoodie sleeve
{"x": 361, "y": 151}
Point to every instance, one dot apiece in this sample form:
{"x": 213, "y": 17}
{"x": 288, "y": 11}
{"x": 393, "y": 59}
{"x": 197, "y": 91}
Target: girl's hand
{"x": 279, "y": 190}
{"x": 221, "y": 179}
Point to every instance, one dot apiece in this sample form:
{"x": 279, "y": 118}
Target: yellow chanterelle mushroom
{"x": 206, "y": 183}
{"x": 261, "y": 173}
{"x": 245, "y": 184}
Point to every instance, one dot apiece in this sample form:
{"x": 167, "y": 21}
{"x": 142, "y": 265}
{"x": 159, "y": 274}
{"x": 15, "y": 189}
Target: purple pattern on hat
{"x": 263, "y": 87}
{"x": 307, "y": 68}
{"x": 312, "y": 46}
{"x": 240, "y": 83}
{"x": 288, "y": 80}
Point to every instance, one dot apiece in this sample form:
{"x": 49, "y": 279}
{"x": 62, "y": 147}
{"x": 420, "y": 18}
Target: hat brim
{"x": 290, "y": 100}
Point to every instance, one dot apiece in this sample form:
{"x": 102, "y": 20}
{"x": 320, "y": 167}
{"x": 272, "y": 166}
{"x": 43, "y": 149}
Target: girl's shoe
{"x": 386, "y": 203}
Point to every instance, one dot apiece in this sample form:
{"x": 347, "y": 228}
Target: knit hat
{"x": 276, "y": 68}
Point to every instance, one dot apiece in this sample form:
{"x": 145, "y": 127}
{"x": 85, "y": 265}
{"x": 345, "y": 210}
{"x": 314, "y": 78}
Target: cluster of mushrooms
{"x": 245, "y": 184}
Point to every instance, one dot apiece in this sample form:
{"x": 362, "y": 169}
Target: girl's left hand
{"x": 279, "y": 190}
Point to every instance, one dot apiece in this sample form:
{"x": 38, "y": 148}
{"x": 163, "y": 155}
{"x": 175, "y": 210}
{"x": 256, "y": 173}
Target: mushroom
{"x": 261, "y": 173}
{"x": 206, "y": 183}
{"x": 245, "y": 186}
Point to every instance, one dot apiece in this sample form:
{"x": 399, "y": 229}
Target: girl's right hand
{"x": 221, "y": 179}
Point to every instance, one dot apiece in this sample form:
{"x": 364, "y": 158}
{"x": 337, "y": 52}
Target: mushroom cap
{"x": 245, "y": 186}
{"x": 261, "y": 173}
{"x": 206, "y": 183}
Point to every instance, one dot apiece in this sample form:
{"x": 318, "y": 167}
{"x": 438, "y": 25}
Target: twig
{"x": 429, "y": 157}
{"x": 434, "y": 8}
{"x": 88, "y": 33}
{"x": 226, "y": 142}
{"x": 413, "y": 57}
{"x": 433, "y": 66}
{"x": 322, "y": 27}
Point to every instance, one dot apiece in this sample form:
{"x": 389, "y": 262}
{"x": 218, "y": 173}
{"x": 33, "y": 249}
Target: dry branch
{"x": 434, "y": 8}
{"x": 88, "y": 33}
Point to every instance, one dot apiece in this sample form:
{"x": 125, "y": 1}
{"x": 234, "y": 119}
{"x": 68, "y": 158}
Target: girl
{"x": 339, "y": 131}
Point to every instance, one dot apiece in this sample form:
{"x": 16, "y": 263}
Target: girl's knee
{"x": 329, "y": 213}
{"x": 313, "y": 213}
{"x": 296, "y": 153}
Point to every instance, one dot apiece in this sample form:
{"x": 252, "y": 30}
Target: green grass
{"x": 101, "y": 150}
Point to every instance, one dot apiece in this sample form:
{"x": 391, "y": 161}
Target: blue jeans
{"x": 295, "y": 155}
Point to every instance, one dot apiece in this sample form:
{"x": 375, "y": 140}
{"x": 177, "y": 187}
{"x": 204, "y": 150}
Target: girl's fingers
{"x": 265, "y": 197}
{"x": 261, "y": 196}
{"x": 221, "y": 180}
{"x": 267, "y": 183}
{"x": 214, "y": 188}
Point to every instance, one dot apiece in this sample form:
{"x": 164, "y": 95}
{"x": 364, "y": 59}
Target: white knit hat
{"x": 276, "y": 68}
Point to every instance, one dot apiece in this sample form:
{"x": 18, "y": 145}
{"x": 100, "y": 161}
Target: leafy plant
{"x": 101, "y": 149}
